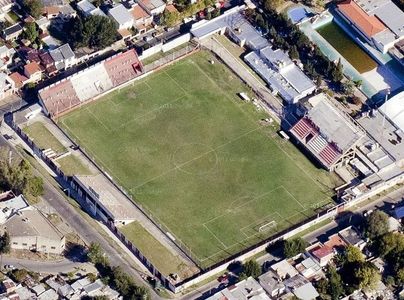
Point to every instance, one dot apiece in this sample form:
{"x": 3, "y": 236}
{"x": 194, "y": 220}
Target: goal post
{"x": 267, "y": 226}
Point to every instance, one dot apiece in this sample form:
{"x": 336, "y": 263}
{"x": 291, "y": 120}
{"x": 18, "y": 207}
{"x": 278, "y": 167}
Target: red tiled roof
{"x": 32, "y": 68}
{"x": 59, "y": 97}
{"x": 322, "y": 252}
{"x": 139, "y": 13}
{"x": 335, "y": 241}
{"x": 171, "y": 8}
{"x": 123, "y": 67}
{"x": 18, "y": 79}
{"x": 369, "y": 25}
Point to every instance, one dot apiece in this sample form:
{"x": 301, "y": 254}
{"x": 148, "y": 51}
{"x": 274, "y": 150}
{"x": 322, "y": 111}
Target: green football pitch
{"x": 196, "y": 157}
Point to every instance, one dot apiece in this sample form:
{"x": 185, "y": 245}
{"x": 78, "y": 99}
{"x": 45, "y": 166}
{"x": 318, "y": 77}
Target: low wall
{"x": 178, "y": 41}
{"x": 82, "y": 197}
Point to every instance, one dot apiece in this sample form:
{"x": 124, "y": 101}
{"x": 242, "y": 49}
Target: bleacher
{"x": 307, "y": 134}
{"x": 59, "y": 97}
{"x": 123, "y": 66}
{"x": 91, "y": 82}
{"x": 80, "y": 87}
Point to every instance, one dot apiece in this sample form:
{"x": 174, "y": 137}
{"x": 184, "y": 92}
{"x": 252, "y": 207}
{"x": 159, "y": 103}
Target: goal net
{"x": 266, "y": 226}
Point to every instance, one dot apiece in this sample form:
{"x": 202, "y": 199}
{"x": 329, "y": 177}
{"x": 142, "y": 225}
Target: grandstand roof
{"x": 325, "y": 131}
{"x": 90, "y": 82}
{"x": 369, "y": 25}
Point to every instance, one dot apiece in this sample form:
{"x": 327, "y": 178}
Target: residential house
{"x": 5, "y": 7}
{"x": 63, "y": 57}
{"x": 19, "y": 79}
{"x": 10, "y": 205}
{"x": 323, "y": 254}
{"x": 122, "y": 17}
{"x": 8, "y": 286}
{"x": 30, "y": 230}
{"x": 11, "y": 33}
{"x": 352, "y": 237}
{"x": 6, "y": 56}
{"x": 88, "y": 9}
{"x": 48, "y": 63}
{"x": 284, "y": 269}
{"x": 33, "y": 71}
{"x": 245, "y": 289}
{"x": 141, "y": 18}
{"x": 153, "y": 7}
{"x": 62, "y": 12}
{"x": 7, "y": 86}
{"x": 272, "y": 284}
{"x": 301, "y": 288}
{"x": 310, "y": 269}
{"x": 43, "y": 23}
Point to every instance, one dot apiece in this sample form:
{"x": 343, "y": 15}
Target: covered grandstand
{"x": 329, "y": 135}
{"x": 93, "y": 81}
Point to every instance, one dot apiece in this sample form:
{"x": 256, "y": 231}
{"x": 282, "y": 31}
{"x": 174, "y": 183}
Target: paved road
{"x": 321, "y": 234}
{"x": 86, "y": 231}
{"x": 52, "y": 267}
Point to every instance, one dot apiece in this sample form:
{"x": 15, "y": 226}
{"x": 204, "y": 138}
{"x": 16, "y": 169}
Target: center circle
{"x": 195, "y": 159}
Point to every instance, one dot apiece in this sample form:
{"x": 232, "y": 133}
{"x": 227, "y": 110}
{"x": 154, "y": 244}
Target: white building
{"x": 280, "y": 73}
{"x": 246, "y": 289}
{"x": 121, "y": 16}
{"x": 63, "y": 56}
{"x": 153, "y": 7}
{"x": 380, "y": 22}
{"x": 88, "y": 9}
{"x": 30, "y": 230}
{"x": 10, "y": 205}
{"x": 393, "y": 109}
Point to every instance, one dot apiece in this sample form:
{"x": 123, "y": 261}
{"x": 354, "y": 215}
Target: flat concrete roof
{"x": 30, "y": 222}
{"x": 332, "y": 123}
{"x": 234, "y": 21}
{"x": 112, "y": 200}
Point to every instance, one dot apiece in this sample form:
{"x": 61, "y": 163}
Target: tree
{"x": 293, "y": 53}
{"x": 35, "y": 186}
{"x": 377, "y": 224}
{"x": 170, "y": 19}
{"x": 30, "y": 32}
{"x": 251, "y": 269}
{"x": 353, "y": 255}
{"x": 293, "y": 247}
{"x": 96, "y": 32}
{"x": 33, "y": 7}
{"x": 336, "y": 288}
{"x": 5, "y": 243}
{"x": 272, "y": 4}
{"x": 337, "y": 72}
{"x": 367, "y": 275}
{"x": 16, "y": 175}
{"x": 18, "y": 275}
{"x": 95, "y": 254}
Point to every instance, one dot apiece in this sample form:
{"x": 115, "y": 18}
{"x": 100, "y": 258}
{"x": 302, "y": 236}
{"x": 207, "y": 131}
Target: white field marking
{"x": 195, "y": 158}
{"x": 251, "y": 226}
{"x": 176, "y": 83}
{"x": 308, "y": 175}
{"x": 98, "y": 120}
{"x": 293, "y": 197}
{"x": 92, "y": 154}
{"x": 210, "y": 171}
{"x": 147, "y": 113}
{"x": 260, "y": 220}
{"x": 242, "y": 205}
{"x": 134, "y": 95}
{"x": 215, "y": 236}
